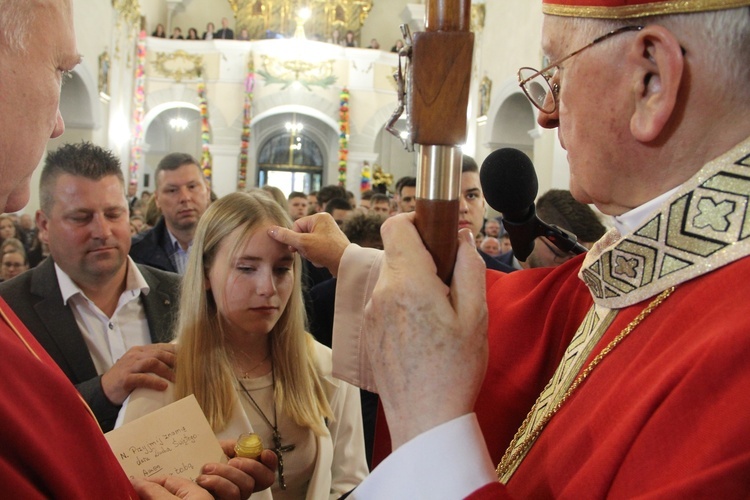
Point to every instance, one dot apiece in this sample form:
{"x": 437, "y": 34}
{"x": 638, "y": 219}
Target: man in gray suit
{"x": 99, "y": 315}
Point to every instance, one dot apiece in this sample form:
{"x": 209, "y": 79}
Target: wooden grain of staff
{"x": 437, "y": 101}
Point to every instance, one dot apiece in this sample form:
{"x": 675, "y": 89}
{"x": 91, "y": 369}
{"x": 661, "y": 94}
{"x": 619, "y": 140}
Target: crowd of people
{"x": 211, "y": 33}
{"x": 349, "y": 38}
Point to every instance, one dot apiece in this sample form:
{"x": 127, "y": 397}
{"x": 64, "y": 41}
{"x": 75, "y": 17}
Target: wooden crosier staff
{"x": 436, "y": 96}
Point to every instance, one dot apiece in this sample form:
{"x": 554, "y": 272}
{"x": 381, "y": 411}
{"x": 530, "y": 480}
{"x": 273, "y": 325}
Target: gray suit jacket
{"x": 36, "y": 299}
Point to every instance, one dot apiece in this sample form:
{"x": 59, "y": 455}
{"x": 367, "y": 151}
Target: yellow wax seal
{"x": 249, "y": 445}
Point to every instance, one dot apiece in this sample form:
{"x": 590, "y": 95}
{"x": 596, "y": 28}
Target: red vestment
{"x": 665, "y": 413}
{"x": 50, "y": 445}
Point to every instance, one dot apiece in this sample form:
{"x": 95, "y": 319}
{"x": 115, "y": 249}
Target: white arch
{"x": 299, "y": 109}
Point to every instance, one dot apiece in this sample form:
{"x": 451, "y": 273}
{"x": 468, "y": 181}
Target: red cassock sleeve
{"x": 50, "y": 445}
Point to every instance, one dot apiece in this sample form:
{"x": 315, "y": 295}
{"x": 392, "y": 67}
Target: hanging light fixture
{"x": 178, "y": 123}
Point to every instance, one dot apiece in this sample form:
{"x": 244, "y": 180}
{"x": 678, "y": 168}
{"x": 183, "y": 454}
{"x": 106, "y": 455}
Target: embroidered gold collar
{"x": 703, "y": 226}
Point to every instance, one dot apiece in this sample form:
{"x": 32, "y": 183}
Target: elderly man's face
{"x": 30, "y": 81}
{"x": 592, "y": 116}
{"x": 492, "y": 228}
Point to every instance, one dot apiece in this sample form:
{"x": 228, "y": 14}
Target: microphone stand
{"x": 523, "y": 233}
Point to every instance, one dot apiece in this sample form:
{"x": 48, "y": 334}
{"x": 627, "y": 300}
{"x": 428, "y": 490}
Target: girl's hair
{"x": 204, "y": 366}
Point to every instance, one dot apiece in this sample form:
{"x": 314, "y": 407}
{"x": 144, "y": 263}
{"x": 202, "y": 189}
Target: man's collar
{"x": 134, "y": 281}
{"x": 176, "y": 246}
{"x": 633, "y": 219}
{"x": 696, "y": 229}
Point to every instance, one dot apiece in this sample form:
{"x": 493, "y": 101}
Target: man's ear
{"x": 659, "y": 74}
{"x": 42, "y": 224}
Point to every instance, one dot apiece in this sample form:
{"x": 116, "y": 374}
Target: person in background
{"x": 244, "y": 35}
{"x": 349, "y": 39}
{"x": 8, "y": 228}
{"x": 340, "y": 209}
{"x": 505, "y": 244}
{"x": 225, "y": 33}
{"x": 397, "y": 46}
{"x": 326, "y": 194}
{"x": 374, "y": 44}
{"x": 364, "y": 199}
{"x": 13, "y": 263}
{"x": 381, "y": 204}
{"x": 406, "y": 189}
{"x": 312, "y": 199}
{"x": 176, "y": 34}
{"x": 192, "y": 34}
{"x": 12, "y": 245}
{"x": 491, "y": 246}
{"x": 492, "y": 228}
{"x": 209, "y": 33}
{"x": 245, "y": 355}
{"x": 182, "y": 196}
{"x": 298, "y": 203}
{"x": 558, "y": 207}
{"x": 159, "y": 31}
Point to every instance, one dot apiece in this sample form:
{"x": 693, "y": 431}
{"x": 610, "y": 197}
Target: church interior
{"x": 290, "y": 106}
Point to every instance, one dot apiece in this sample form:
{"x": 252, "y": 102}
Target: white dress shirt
{"x": 109, "y": 338}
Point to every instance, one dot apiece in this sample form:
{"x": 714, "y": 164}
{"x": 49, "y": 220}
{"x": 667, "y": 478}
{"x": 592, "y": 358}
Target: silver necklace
{"x": 278, "y": 448}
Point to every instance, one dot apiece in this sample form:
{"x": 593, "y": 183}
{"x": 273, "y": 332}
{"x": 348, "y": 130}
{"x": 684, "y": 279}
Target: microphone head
{"x": 509, "y": 181}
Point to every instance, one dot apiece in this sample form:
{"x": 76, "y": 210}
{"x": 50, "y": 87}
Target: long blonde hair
{"x": 204, "y": 366}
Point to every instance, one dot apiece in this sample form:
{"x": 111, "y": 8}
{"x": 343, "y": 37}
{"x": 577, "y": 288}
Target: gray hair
{"x": 723, "y": 37}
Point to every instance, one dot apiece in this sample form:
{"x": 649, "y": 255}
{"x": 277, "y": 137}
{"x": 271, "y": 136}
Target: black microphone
{"x": 510, "y": 186}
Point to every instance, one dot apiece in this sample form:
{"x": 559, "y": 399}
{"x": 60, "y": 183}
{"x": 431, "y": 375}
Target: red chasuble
{"x": 666, "y": 413}
{"x": 50, "y": 445}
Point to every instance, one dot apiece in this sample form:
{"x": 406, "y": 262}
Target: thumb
{"x": 468, "y": 283}
{"x": 285, "y": 236}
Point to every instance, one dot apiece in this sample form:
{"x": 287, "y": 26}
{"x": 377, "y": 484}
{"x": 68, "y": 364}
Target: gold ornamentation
{"x": 517, "y": 450}
{"x": 178, "y": 65}
{"x": 129, "y": 11}
{"x": 485, "y": 93}
{"x": 703, "y": 226}
{"x": 308, "y": 74}
{"x": 104, "y": 66}
{"x": 477, "y": 17}
{"x": 642, "y": 10}
{"x": 279, "y": 16}
{"x": 381, "y": 178}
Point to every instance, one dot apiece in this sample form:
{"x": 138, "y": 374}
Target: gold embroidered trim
{"x": 642, "y": 10}
{"x": 516, "y": 451}
{"x": 703, "y": 226}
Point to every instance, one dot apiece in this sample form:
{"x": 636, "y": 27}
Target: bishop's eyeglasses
{"x": 536, "y": 84}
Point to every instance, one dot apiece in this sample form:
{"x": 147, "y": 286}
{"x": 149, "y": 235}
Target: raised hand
{"x": 427, "y": 342}
{"x": 317, "y": 238}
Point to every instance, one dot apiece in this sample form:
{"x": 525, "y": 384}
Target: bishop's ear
{"x": 658, "y": 59}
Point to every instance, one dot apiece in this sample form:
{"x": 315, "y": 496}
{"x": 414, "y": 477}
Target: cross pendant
{"x": 279, "y": 450}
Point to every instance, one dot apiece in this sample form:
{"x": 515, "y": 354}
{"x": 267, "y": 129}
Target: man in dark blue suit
{"x": 182, "y": 196}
